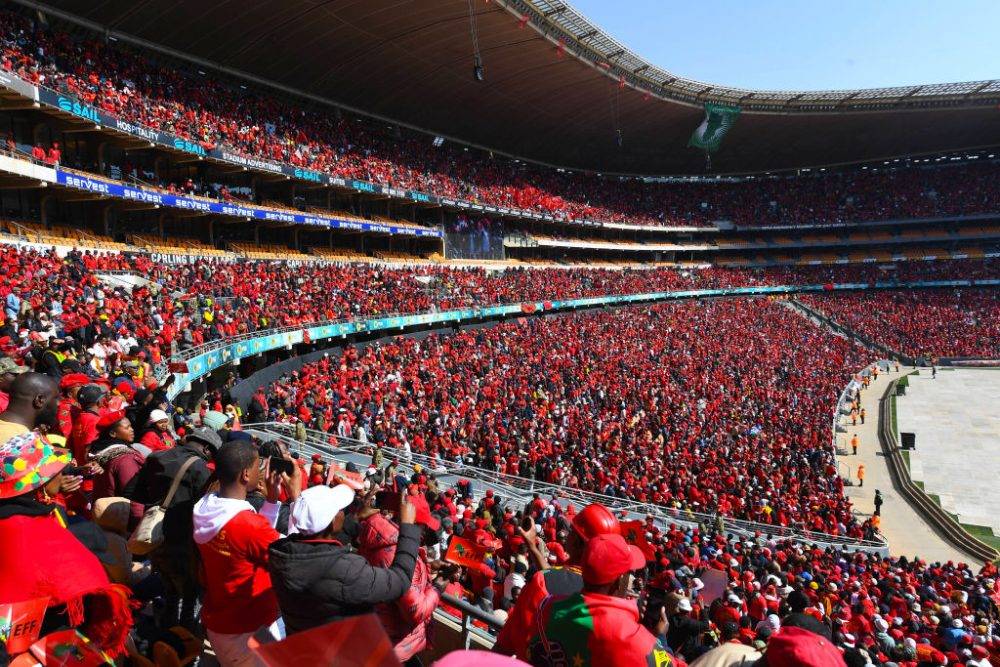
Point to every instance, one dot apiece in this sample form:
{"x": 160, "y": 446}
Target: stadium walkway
{"x": 907, "y": 532}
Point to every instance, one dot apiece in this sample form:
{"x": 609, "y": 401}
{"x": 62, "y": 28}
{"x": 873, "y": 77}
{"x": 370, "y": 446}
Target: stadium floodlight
{"x": 438, "y": 142}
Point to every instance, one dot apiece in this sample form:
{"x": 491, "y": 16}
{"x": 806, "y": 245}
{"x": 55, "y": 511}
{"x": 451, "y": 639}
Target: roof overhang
{"x": 557, "y": 89}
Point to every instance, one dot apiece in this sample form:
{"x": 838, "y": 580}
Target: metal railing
{"x": 524, "y": 489}
{"x": 470, "y": 613}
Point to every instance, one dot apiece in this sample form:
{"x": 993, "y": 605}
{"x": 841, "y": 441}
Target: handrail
{"x": 471, "y": 612}
{"x": 693, "y": 294}
{"x": 940, "y": 521}
{"x": 851, "y": 333}
{"x": 321, "y": 442}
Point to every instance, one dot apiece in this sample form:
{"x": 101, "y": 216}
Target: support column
{"x": 43, "y": 212}
{"x": 106, "y": 219}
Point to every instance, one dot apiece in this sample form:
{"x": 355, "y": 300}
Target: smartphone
{"x": 387, "y": 500}
{"x": 281, "y": 465}
{"x": 74, "y": 471}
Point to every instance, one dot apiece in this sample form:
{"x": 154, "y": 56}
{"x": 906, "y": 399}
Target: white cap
{"x": 684, "y": 604}
{"x": 316, "y": 507}
{"x": 157, "y": 415}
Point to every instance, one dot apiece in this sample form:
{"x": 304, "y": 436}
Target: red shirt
{"x": 157, "y": 441}
{"x": 84, "y": 432}
{"x": 238, "y": 593}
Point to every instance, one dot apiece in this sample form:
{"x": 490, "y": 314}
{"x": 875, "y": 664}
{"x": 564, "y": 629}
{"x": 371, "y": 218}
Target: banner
{"x": 718, "y": 119}
{"x": 65, "y": 648}
{"x": 20, "y": 623}
{"x": 715, "y": 585}
{"x": 465, "y": 552}
{"x": 359, "y": 641}
{"x": 634, "y": 533}
{"x": 122, "y": 191}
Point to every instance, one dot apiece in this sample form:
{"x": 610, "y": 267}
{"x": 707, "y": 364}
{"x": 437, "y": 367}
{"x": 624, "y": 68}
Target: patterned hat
{"x": 28, "y": 461}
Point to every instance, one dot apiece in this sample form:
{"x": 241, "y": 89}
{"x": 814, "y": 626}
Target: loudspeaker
{"x": 909, "y": 440}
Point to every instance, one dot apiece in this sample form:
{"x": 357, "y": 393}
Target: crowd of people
{"x": 54, "y": 305}
{"x": 656, "y": 405}
{"x": 719, "y": 406}
{"x": 211, "y": 112}
{"x": 927, "y": 324}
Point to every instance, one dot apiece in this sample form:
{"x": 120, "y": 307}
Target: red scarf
{"x": 42, "y": 558}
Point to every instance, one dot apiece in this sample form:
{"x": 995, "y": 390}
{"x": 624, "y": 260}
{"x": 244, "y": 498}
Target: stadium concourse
{"x": 273, "y": 392}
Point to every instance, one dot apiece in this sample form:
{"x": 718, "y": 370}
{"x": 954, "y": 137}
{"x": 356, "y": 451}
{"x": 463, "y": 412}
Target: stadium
{"x": 453, "y": 333}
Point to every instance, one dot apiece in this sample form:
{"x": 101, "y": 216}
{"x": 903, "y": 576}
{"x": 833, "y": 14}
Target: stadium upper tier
{"x": 209, "y": 112}
{"x": 554, "y": 87}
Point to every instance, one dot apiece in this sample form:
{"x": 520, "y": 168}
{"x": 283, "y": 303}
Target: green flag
{"x": 718, "y": 119}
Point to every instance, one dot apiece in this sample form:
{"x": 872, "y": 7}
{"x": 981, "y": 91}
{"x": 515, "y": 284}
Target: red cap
{"x": 71, "y": 380}
{"x": 594, "y": 520}
{"x": 317, "y": 457}
{"x": 607, "y": 557}
{"x": 424, "y": 516}
{"x": 793, "y": 647}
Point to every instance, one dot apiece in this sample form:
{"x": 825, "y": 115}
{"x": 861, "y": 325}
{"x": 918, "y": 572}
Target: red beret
{"x": 109, "y": 419}
{"x": 73, "y": 380}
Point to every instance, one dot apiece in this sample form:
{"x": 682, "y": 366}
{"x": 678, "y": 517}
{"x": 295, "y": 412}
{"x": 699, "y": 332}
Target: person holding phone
{"x": 407, "y": 619}
{"x": 318, "y": 579}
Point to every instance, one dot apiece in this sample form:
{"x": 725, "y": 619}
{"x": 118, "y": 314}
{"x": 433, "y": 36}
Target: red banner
{"x": 358, "y": 641}
{"x": 338, "y": 475}
{"x": 20, "y": 623}
{"x": 465, "y": 552}
{"x": 634, "y": 533}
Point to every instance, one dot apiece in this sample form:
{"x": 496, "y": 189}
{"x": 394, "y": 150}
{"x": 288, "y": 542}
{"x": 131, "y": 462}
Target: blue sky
{"x": 809, "y": 44}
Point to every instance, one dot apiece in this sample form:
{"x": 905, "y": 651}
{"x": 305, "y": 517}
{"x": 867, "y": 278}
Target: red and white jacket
{"x": 233, "y": 539}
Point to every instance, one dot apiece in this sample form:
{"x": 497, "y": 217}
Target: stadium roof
{"x": 556, "y": 88}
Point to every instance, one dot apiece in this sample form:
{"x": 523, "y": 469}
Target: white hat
{"x": 157, "y": 415}
{"x": 684, "y": 604}
{"x": 316, "y": 507}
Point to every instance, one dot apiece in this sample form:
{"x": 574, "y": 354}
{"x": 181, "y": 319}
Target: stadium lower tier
{"x": 657, "y": 404}
{"x": 721, "y": 405}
